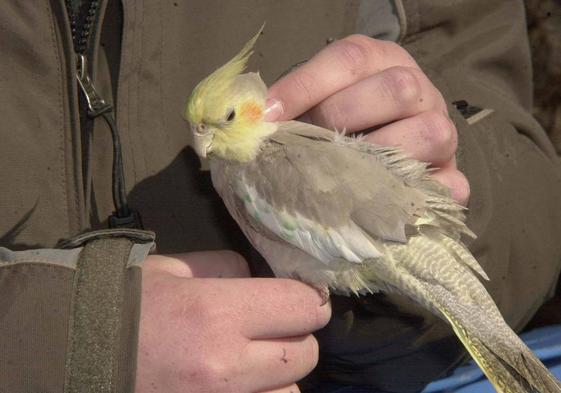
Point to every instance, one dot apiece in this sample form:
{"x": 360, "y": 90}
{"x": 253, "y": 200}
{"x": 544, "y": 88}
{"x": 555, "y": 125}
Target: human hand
{"x": 358, "y": 83}
{"x": 201, "y": 333}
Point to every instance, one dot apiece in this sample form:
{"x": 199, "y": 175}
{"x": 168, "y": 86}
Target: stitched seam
{"x": 18, "y": 265}
{"x": 121, "y": 101}
{"x": 37, "y": 262}
{"x": 139, "y": 113}
{"x": 62, "y": 129}
{"x": 402, "y": 16}
{"x": 131, "y": 29}
{"x": 162, "y": 118}
{"x": 413, "y": 17}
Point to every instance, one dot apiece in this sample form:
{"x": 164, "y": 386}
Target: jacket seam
{"x": 38, "y": 262}
{"x": 402, "y": 17}
{"x": 128, "y": 53}
{"x": 62, "y": 126}
{"x": 411, "y": 14}
{"x": 139, "y": 99}
{"x": 162, "y": 119}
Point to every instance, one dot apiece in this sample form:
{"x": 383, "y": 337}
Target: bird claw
{"x": 324, "y": 294}
{"x": 323, "y": 291}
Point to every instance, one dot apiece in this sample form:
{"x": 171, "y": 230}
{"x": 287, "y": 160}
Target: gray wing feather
{"x": 333, "y": 183}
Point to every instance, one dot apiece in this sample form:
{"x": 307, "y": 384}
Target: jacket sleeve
{"x": 69, "y": 316}
{"x": 477, "y": 54}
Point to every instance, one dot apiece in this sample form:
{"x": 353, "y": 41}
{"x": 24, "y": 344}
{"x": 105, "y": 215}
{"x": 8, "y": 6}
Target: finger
{"x": 429, "y": 137}
{"x": 293, "y": 388}
{"x": 456, "y": 181}
{"x": 335, "y": 67}
{"x": 201, "y": 264}
{"x": 282, "y": 361}
{"x": 283, "y": 308}
{"x": 392, "y": 94}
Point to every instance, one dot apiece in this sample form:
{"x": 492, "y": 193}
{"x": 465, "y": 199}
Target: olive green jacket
{"x": 69, "y": 313}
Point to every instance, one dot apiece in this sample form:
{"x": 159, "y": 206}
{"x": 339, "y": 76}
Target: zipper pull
{"x": 96, "y": 104}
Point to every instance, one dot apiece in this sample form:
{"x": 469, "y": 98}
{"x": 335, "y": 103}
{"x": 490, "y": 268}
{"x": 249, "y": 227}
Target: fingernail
{"x": 273, "y": 109}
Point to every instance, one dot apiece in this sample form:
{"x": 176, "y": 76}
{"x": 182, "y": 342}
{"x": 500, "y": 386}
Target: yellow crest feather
{"x": 214, "y": 85}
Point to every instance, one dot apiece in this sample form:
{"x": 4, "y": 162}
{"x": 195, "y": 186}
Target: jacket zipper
{"x": 82, "y": 27}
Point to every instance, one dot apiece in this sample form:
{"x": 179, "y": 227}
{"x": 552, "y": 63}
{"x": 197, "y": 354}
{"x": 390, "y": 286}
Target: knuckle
{"x": 354, "y": 52}
{"x": 194, "y": 308}
{"x": 359, "y": 39}
{"x": 439, "y": 130}
{"x": 208, "y": 370}
{"x": 403, "y": 85}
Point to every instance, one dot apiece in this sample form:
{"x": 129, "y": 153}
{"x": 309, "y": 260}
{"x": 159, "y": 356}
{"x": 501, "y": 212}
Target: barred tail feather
{"x": 438, "y": 273}
{"x": 508, "y": 363}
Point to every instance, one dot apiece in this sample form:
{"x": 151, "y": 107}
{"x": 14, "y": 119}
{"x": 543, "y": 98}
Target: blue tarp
{"x": 544, "y": 342}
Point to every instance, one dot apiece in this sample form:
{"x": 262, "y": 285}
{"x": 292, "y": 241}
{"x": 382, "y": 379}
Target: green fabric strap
{"x": 95, "y": 326}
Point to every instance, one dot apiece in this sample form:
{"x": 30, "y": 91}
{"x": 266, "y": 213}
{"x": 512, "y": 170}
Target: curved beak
{"x": 202, "y": 136}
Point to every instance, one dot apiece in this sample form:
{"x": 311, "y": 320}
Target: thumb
{"x": 200, "y": 264}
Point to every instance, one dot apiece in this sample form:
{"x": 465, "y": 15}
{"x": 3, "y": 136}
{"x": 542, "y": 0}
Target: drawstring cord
{"x": 118, "y": 176}
{"x": 123, "y": 216}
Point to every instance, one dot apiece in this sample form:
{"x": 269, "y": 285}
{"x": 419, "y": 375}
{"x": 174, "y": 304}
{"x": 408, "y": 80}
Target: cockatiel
{"x": 344, "y": 215}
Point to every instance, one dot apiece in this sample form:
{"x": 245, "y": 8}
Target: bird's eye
{"x": 231, "y": 115}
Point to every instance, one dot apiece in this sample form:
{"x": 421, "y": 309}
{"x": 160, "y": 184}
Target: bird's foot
{"x": 324, "y": 294}
{"x": 323, "y": 290}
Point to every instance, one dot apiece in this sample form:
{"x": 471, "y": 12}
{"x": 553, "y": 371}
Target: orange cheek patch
{"x": 251, "y": 112}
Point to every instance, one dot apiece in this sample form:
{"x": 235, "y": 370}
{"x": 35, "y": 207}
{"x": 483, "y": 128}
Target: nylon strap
{"x": 94, "y": 351}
